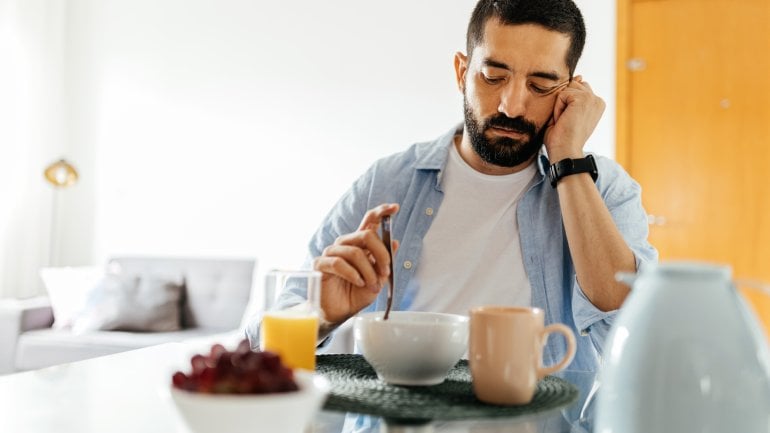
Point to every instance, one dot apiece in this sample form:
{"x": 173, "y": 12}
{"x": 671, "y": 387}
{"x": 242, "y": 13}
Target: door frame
{"x": 622, "y": 81}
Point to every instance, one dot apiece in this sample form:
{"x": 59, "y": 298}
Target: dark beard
{"x": 503, "y": 151}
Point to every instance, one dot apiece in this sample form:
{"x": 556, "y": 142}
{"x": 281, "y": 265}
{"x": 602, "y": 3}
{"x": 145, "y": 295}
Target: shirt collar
{"x": 543, "y": 164}
{"x": 435, "y": 157}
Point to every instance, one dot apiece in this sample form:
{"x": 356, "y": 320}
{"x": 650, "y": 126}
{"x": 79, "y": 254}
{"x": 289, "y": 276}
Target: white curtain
{"x": 31, "y": 136}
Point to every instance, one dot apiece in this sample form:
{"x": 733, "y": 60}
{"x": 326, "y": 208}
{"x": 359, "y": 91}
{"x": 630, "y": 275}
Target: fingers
{"x": 350, "y": 264}
{"x": 372, "y": 218}
{"x": 563, "y": 97}
{"x": 576, "y": 112}
{"x": 575, "y": 91}
{"x": 587, "y": 86}
{"x": 579, "y": 83}
{"x": 559, "y": 106}
{"x": 359, "y": 258}
{"x": 370, "y": 242}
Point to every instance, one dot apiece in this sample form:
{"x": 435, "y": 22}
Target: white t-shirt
{"x": 471, "y": 254}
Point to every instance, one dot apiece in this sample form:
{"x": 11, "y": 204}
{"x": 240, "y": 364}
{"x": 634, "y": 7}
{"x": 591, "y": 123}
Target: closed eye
{"x": 492, "y": 80}
{"x": 540, "y": 89}
{"x": 543, "y": 90}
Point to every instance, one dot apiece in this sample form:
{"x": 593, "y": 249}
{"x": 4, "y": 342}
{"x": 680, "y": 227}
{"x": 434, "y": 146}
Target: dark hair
{"x": 562, "y": 16}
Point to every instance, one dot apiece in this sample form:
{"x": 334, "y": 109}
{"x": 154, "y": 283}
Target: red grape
{"x": 241, "y": 371}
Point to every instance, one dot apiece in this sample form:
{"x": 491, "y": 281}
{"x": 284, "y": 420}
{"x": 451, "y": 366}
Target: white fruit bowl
{"x": 287, "y": 412}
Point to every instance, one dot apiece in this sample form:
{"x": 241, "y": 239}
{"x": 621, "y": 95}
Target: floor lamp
{"x": 61, "y": 174}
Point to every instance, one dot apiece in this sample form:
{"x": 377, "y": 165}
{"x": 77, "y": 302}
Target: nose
{"x": 513, "y": 99}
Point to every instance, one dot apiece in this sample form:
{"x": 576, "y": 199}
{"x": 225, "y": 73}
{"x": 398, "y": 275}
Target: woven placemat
{"x": 356, "y": 388}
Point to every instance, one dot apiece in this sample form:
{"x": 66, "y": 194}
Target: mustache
{"x": 517, "y": 124}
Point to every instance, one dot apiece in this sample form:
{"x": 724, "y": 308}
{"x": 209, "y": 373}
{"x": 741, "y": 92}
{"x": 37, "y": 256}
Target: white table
{"x": 126, "y": 392}
{"x": 115, "y": 393}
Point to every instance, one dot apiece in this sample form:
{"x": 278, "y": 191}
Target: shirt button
{"x": 407, "y": 264}
{"x": 429, "y": 211}
{"x": 584, "y": 333}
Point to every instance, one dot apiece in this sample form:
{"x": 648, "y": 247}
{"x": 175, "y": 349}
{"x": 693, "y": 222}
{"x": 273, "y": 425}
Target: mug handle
{"x": 569, "y": 336}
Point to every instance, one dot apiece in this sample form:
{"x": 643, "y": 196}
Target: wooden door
{"x": 694, "y": 128}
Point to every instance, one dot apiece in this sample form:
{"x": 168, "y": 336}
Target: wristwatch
{"x": 569, "y": 166}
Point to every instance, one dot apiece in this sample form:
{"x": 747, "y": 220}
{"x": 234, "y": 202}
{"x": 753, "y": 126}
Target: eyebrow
{"x": 548, "y": 75}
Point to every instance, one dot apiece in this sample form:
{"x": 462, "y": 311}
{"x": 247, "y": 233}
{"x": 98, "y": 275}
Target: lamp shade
{"x": 61, "y": 174}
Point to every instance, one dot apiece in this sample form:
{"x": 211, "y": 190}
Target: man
{"x": 478, "y": 217}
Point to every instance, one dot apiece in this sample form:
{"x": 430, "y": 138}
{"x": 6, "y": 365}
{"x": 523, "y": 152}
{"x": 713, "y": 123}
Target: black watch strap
{"x": 569, "y": 166}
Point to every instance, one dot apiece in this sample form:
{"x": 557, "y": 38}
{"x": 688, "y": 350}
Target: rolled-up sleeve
{"x": 622, "y": 195}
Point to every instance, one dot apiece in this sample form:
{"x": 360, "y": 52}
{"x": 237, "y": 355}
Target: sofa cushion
{"x": 46, "y": 347}
{"x": 149, "y": 303}
{"x": 68, "y": 289}
{"x": 216, "y": 290}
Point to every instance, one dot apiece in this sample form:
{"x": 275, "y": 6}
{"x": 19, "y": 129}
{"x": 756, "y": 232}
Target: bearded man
{"x": 504, "y": 209}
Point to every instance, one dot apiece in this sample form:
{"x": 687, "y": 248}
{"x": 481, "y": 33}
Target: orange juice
{"x": 292, "y": 335}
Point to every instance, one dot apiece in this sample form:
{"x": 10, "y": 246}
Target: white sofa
{"x": 215, "y": 295}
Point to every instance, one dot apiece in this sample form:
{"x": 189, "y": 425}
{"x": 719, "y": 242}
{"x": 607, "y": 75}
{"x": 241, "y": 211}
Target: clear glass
{"x": 292, "y": 333}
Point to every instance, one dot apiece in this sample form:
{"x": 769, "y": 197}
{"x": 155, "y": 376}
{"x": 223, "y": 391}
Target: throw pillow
{"x": 68, "y": 289}
{"x": 121, "y": 302}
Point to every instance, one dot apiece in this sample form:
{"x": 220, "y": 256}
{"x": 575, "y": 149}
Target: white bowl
{"x": 286, "y": 412}
{"x": 411, "y": 347}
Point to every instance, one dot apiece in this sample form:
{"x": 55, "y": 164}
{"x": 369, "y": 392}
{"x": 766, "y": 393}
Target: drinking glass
{"x": 292, "y": 333}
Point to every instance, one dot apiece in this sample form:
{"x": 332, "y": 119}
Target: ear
{"x": 461, "y": 67}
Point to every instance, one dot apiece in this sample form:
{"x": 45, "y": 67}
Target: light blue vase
{"x": 685, "y": 354}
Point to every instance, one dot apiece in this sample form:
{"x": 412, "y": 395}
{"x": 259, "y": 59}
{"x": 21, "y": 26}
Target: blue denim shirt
{"x": 413, "y": 179}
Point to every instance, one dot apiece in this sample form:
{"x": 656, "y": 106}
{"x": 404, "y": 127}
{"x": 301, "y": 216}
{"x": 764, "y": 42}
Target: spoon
{"x": 386, "y": 240}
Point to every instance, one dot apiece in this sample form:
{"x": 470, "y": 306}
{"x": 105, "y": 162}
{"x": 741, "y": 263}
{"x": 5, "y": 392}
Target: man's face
{"x": 509, "y": 89}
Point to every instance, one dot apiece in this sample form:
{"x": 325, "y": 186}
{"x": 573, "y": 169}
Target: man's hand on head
{"x": 576, "y": 113}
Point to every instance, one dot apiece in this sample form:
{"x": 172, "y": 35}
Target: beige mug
{"x": 505, "y": 352}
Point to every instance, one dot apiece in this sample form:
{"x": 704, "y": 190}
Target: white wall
{"x": 231, "y": 127}
{"x": 598, "y": 67}
{"x": 31, "y": 130}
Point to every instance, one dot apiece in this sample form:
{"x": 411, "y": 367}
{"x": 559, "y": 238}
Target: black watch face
{"x": 570, "y": 166}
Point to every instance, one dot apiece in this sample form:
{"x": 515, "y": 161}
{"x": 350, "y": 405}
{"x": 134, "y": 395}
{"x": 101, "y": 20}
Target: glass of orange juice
{"x": 292, "y": 333}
